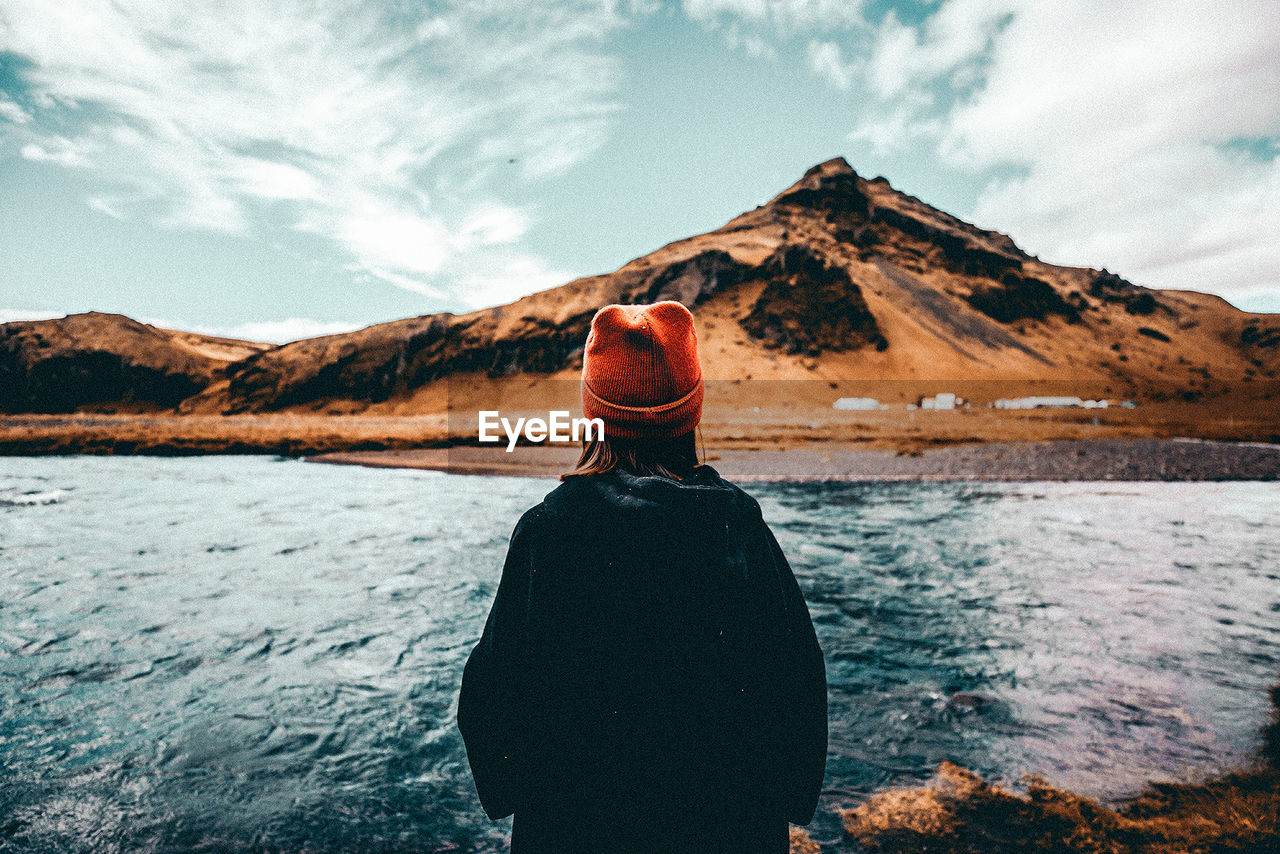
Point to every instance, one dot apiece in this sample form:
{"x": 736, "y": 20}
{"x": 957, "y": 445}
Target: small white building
{"x": 1047, "y": 402}
{"x": 859, "y": 404}
{"x": 942, "y": 400}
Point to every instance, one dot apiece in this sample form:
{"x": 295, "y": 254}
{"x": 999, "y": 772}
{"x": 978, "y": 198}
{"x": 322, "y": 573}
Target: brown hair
{"x": 672, "y": 458}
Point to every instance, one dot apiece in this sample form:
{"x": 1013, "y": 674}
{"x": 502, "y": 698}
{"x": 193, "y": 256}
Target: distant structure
{"x": 1048, "y": 403}
{"x": 861, "y": 404}
{"x": 942, "y": 400}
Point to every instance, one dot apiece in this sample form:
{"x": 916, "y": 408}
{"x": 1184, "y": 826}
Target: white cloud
{"x": 757, "y": 26}
{"x": 493, "y": 224}
{"x": 12, "y": 315}
{"x": 903, "y": 126}
{"x": 280, "y": 331}
{"x": 59, "y": 150}
{"x": 408, "y": 283}
{"x": 756, "y": 46}
{"x": 1183, "y": 216}
{"x": 106, "y": 206}
{"x": 270, "y": 180}
{"x": 1144, "y": 75}
{"x": 508, "y": 280}
{"x": 268, "y": 331}
{"x": 826, "y": 61}
{"x": 904, "y": 60}
{"x": 785, "y": 17}
{"x": 263, "y": 331}
{"x": 381, "y": 235}
{"x": 12, "y": 112}
{"x": 1115, "y": 121}
{"x": 374, "y": 127}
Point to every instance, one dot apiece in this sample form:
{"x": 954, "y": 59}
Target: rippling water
{"x": 240, "y": 653}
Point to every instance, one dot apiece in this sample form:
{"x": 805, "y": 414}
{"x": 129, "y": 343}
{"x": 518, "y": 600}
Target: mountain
{"x": 837, "y": 278}
{"x": 108, "y": 360}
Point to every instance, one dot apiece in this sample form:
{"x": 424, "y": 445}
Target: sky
{"x": 280, "y": 170}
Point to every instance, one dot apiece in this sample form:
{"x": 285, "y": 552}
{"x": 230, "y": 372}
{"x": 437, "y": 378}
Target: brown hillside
{"x": 108, "y": 360}
{"x": 838, "y": 278}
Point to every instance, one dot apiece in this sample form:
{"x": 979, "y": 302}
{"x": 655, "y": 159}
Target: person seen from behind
{"x": 648, "y": 679}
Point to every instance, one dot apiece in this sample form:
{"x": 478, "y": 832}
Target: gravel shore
{"x": 1062, "y": 460}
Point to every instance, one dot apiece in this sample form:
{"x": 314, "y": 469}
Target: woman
{"x": 648, "y": 679}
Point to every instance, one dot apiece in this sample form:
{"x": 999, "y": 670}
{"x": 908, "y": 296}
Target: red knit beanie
{"x": 640, "y": 371}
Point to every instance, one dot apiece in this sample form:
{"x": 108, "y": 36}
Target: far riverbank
{"x": 1060, "y": 460}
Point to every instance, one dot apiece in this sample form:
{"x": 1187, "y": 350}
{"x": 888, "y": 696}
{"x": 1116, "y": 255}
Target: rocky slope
{"x": 108, "y": 361}
{"x": 837, "y": 278}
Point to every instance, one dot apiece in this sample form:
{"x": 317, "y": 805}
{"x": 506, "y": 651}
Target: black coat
{"x": 648, "y": 679}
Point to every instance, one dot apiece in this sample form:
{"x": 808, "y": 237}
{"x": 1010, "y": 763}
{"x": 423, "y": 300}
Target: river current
{"x": 240, "y": 653}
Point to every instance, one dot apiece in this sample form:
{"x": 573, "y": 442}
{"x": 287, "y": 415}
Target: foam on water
{"x": 16, "y": 498}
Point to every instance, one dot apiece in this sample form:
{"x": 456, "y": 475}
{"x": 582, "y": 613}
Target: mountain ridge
{"x": 837, "y": 277}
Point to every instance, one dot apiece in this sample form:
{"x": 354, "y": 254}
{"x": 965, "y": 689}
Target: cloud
{"x": 60, "y": 151}
{"x": 383, "y": 235}
{"x": 902, "y": 126}
{"x": 408, "y": 283}
{"x": 757, "y": 26}
{"x": 784, "y": 17}
{"x": 274, "y": 331}
{"x": 493, "y": 224}
{"x": 12, "y": 315}
{"x": 1110, "y": 134}
{"x": 391, "y": 130}
{"x": 267, "y": 331}
{"x": 10, "y": 111}
{"x": 905, "y": 60}
{"x": 268, "y": 179}
{"x": 825, "y": 60}
{"x": 510, "y": 279}
{"x": 106, "y": 206}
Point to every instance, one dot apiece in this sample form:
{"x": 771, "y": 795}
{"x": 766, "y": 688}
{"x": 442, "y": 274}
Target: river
{"x": 243, "y": 653}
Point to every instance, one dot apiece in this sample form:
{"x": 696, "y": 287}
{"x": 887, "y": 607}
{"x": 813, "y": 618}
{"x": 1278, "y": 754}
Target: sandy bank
{"x": 1092, "y": 459}
{"x": 781, "y": 425}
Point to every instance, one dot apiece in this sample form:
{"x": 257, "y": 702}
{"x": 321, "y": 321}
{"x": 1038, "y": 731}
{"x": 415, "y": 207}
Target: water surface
{"x": 243, "y": 653}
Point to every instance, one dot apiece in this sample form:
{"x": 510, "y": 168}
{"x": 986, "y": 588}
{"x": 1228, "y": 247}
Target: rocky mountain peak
{"x": 832, "y": 186}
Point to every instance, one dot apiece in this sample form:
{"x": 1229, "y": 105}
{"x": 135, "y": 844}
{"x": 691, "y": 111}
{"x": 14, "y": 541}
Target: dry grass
{"x": 802, "y": 844}
{"x": 959, "y": 812}
{"x": 167, "y": 434}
